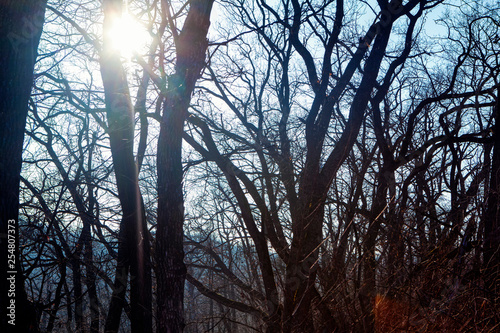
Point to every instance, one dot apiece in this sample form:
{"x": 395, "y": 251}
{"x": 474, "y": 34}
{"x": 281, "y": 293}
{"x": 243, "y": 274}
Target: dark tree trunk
{"x": 118, "y": 301}
{"x": 492, "y": 219}
{"x": 88, "y": 255}
{"x": 77, "y": 293}
{"x": 301, "y": 269}
{"x": 134, "y": 238}
{"x": 21, "y": 23}
{"x": 91, "y": 282}
{"x": 191, "y": 47}
{"x": 314, "y": 185}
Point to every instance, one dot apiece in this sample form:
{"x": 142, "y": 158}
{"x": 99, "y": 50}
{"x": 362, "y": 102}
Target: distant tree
{"x": 81, "y": 187}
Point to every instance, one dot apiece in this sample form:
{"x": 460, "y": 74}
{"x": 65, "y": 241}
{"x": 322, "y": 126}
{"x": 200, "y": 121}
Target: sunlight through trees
{"x": 251, "y": 166}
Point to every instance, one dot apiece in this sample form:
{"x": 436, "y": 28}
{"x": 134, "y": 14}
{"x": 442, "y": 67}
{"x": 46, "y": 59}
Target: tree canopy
{"x": 315, "y": 166}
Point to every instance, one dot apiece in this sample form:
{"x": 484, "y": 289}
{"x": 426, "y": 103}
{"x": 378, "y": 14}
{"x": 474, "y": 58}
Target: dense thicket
{"x": 338, "y": 170}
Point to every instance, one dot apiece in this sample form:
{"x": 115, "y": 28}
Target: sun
{"x": 127, "y": 36}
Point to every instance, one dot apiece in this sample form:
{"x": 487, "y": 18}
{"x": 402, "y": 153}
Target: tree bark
{"x": 191, "y": 46}
{"x": 314, "y": 185}
{"x": 491, "y": 256}
{"x": 21, "y": 24}
{"x": 134, "y": 245}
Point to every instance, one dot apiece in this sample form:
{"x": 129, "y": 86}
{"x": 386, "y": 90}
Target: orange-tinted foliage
{"x": 392, "y": 315}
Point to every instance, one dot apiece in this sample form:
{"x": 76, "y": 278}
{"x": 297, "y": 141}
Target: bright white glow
{"x": 128, "y": 36}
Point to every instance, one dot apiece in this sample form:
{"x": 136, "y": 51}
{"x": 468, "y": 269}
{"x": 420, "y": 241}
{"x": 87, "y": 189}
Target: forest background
{"x": 250, "y": 165}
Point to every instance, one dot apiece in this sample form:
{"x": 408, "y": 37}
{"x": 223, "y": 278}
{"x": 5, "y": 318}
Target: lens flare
{"x": 127, "y": 36}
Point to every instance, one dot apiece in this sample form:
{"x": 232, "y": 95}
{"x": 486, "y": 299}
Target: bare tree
{"x": 339, "y": 171}
{"x": 20, "y": 30}
{"x": 191, "y": 45}
{"x": 306, "y": 188}
{"x": 357, "y": 203}
{"x": 134, "y": 243}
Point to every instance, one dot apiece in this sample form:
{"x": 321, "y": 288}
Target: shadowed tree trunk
{"x": 191, "y": 46}
{"x": 316, "y": 180}
{"x": 492, "y": 218}
{"x": 134, "y": 244}
{"x": 21, "y": 23}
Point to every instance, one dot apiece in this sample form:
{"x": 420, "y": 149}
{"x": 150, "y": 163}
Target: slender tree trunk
{"x": 90, "y": 281}
{"x": 134, "y": 239}
{"x": 21, "y": 23}
{"x": 57, "y": 299}
{"x": 368, "y": 291}
{"x": 191, "y": 47}
{"x": 77, "y": 293}
{"x": 91, "y": 278}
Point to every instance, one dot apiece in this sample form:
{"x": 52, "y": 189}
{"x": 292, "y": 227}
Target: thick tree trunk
{"x": 134, "y": 238}
{"x": 191, "y": 47}
{"x": 314, "y": 186}
{"x": 301, "y": 270}
{"x": 491, "y": 258}
{"x": 21, "y": 23}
